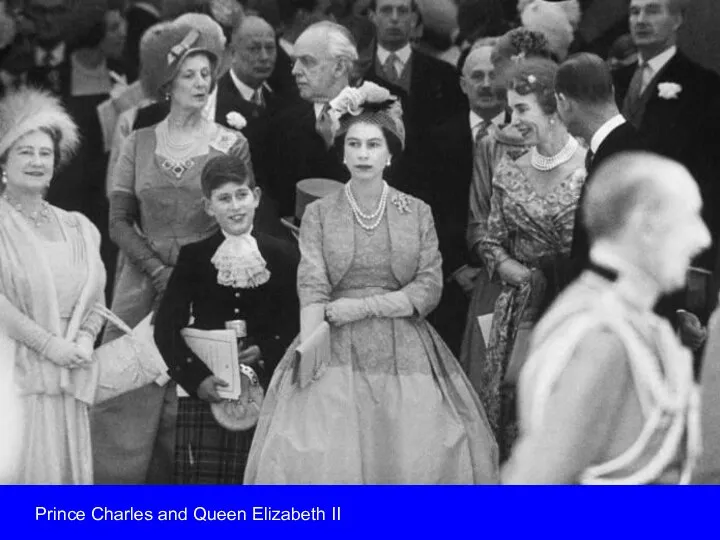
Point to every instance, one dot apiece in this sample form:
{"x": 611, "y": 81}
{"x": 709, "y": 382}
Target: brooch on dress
{"x": 401, "y": 202}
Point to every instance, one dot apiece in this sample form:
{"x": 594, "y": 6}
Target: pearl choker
{"x": 542, "y": 163}
{"x": 375, "y": 217}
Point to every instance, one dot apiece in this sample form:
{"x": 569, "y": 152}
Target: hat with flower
{"x": 368, "y": 103}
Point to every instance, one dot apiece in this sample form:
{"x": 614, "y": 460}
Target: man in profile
{"x": 607, "y": 394}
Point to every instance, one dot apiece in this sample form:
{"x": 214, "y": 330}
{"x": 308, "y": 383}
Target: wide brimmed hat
{"x": 29, "y": 109}
{"x": 166, "y": 46}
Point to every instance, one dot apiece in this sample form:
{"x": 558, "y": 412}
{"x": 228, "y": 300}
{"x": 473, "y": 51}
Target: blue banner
{"x": 455, "y": 513}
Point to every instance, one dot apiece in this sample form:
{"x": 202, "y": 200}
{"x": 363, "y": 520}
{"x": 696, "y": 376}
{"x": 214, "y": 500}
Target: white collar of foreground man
{"x": 633, "y": 284}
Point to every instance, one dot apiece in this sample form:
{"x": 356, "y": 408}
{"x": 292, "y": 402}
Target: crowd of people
{"x": 458, "y": 242}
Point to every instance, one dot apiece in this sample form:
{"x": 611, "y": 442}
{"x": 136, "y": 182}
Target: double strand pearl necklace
{"x": 542, "y": 163}
{"x": 375, "y": 217}
{"x": 181, "y": 151}
{"x": 36, "y": 218}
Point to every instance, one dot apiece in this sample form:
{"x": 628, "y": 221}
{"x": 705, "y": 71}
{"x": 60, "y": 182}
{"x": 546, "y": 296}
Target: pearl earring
{"x": 3, "y": 178}
{"x": 388, "y": 163}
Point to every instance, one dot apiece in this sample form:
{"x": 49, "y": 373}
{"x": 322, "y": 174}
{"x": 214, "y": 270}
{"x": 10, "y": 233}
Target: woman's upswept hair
{"x": 534, "y": 76}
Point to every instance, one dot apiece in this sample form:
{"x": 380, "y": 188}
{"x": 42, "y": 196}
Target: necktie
{"x": 390, "y": 68}
{"x": 480, "y": 131}
{"x": 638, "y": 83}
{"x": 323, "y": 125}
{"x": 257, "y": 98}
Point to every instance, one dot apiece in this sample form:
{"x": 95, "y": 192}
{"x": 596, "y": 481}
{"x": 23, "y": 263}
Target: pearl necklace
{"x": 374, "y": 218}
{"x": 542, "y": 163}
{"x": 36, "y": 218}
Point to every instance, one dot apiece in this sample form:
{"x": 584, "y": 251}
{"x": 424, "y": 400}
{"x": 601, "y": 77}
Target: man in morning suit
{"x": 429, "y": 88}
{"x": 299, "y": 143}
{"x": 586, "y": 105}
{"x": 673, "y": 102}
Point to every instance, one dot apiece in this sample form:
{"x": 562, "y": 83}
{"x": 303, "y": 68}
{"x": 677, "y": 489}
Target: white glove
{"x": 65, "y": 354}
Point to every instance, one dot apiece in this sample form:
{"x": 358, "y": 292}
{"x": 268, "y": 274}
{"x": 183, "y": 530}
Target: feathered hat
{"x": 369, "y": 103}
{"x": 29, "y": 109}
{"x": 166, "y": 46}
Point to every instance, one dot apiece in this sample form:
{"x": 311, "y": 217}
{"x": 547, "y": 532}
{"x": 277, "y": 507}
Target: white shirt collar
{"x": 57, "y": 54}
{"x": 318, "y": 106}
{"x": 402, "y": 54}
{"x": 287, "y": 46}
{"x": 658, "y": 62}
{"x": 209, "y": 108}
{"x": 605, "y": 130}
{"x": 147, "y": 7}
{"x": 249, "y": 233}
{"x": 632, "y": 283}
{"x": 475, "y": 120}
{"x": 245, "y": 91}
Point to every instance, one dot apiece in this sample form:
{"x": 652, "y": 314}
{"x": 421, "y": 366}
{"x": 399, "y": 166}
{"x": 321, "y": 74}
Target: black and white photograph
{"x": 359, "y": 242}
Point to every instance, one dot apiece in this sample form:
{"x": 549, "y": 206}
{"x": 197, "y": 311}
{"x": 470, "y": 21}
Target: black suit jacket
{"x": 271, "y": 310}
{"x": 441, "y": 174}
{"x": 294, "y": 151}
{"x": 434, "y": 95}
{"x": 282, "y": 80}
{"x": 685, "y": 128}
{"x": 138, "y": 21}
{"x": 623, "y": 138}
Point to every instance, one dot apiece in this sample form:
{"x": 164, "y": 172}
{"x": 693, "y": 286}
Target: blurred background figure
{"x": 96, "y": 69}
{"x": 140, "y": 15}
{"x": 623, "y": 52}
{"x": 551, "y": 20}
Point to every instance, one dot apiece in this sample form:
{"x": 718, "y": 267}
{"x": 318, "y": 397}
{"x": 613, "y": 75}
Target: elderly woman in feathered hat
{"x": 51, "y": 277}
{"x": 156, "y": 208}
{"x": 389, "y": 402}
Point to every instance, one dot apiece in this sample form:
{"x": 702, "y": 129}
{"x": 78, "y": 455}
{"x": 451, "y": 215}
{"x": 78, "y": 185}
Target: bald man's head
{"x": 650, "y": 206}
{"x": 629, "y": 183}
{"x": 254, "y": 51}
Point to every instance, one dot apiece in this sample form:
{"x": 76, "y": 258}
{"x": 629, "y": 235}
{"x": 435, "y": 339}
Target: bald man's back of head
{"x": 630, "y": 182}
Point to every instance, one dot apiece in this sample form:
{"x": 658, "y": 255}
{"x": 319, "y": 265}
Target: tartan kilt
{"x": 206, "y": 452}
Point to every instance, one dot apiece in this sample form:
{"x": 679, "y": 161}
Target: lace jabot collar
{"x": 239, "y": 262}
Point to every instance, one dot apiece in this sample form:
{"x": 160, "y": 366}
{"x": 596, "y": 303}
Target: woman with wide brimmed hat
{"x": 155, "y": 209}
{"x": 51, "y": 277}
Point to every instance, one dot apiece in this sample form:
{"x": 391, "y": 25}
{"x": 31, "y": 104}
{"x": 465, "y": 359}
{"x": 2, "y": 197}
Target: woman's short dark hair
{"x": 534, "y": 76}
{"x": 224, "y": 169}
{"x": 392, "y": 140}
